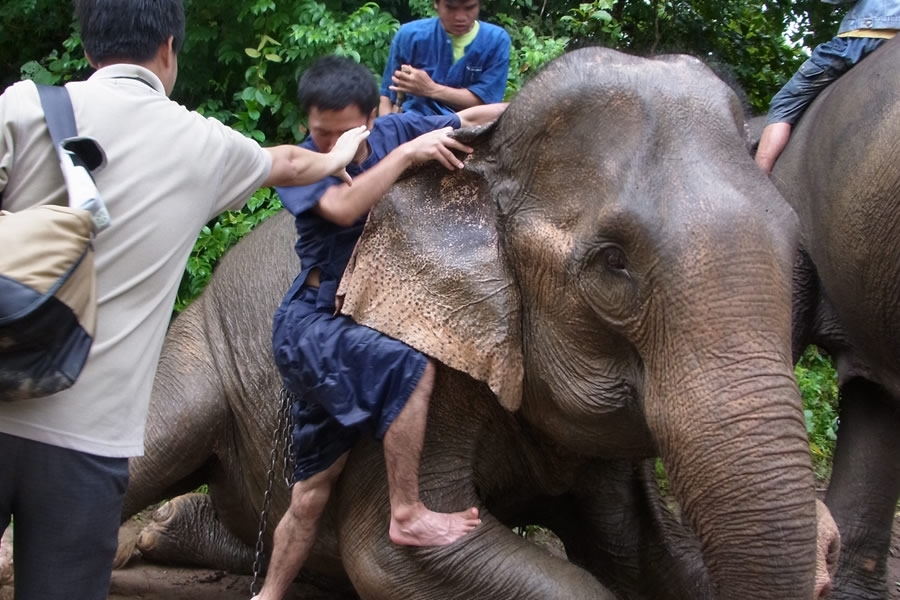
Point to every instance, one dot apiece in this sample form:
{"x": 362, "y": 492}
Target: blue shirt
{"x": 425, "y": 45}
{"x": 324, "y": 244}
{"x": 870, "y": 14}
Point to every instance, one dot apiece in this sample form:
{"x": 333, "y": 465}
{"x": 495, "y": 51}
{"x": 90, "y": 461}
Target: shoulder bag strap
{"x": 58, "y": 112}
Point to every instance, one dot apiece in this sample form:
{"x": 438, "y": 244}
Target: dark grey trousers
{"x": 66, "y": 507}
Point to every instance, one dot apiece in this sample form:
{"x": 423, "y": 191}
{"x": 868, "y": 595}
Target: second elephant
{"x": 841, "y": 173}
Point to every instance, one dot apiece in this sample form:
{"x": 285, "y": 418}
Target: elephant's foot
{"x": 186, "y": 531}
{"x": 828, "y": 545}
{"x": 864, "y": 488}
{"x": 861, "y": 575}
{"x": 856, "y": 587}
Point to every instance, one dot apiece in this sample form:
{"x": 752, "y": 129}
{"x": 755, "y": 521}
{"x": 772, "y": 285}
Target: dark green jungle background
{"x": 241, "y": 60}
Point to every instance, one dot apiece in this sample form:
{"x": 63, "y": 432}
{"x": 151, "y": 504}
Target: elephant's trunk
{"x": 737, "y": 455}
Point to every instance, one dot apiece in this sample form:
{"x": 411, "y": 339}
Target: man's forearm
{"x": 455, "y": 98}
{"x": 292, "y": 165}
{"x": 385, "y": 106}
{"x": 344, "y": 205}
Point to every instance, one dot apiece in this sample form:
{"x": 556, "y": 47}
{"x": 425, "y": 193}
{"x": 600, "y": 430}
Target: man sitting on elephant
{"x": 350, "y": 379}
{"x": 864, "y": 28}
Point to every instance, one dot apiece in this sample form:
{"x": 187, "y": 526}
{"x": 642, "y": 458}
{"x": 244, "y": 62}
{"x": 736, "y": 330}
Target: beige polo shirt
{"x": 169, "y": 171}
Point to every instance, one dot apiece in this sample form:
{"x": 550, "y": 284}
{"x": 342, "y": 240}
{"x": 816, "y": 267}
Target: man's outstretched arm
{"x": 344, "y": 205}
{"x": 292, "y": 165}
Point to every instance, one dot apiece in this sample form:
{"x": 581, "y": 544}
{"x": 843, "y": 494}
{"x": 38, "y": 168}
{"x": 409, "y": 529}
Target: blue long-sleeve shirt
{"x": 425, "y": 45}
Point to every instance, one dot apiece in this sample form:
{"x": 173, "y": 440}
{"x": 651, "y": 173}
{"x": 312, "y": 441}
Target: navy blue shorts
{"x": 827, "y": 63}
{"x": 348, "y": 379}
{"x": 67, "y": 506}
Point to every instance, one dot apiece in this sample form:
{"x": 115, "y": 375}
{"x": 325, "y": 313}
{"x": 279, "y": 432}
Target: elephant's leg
{"x": 864, "y": 488}
{"x": 628, "y": 538}
{"x": 188, "y": 416}
{"x": 186, "y": 531}
{"x": 489, "y": 562}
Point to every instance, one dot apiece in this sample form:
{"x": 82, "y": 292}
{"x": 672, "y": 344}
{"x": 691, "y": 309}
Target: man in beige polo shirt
{"x": 64, "y": 462}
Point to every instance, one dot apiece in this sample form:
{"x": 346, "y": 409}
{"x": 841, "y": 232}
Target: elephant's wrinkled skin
{"x": 614, "y": 265}
{"x": 841, "y": 173}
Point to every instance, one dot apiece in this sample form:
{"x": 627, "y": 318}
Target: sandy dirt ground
{"x": 146, "y": 581}
{"x": 142, "y": 580}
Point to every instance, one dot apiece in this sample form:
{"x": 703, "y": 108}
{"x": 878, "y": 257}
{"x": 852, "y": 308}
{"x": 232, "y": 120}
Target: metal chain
{"x": 287, "y": 440}
{"x": 282, "y": 433}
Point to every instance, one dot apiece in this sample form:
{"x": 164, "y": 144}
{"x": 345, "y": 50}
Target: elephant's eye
{"x": 613, "y": 258}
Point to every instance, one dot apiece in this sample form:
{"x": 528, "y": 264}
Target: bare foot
{"x": 417, "y": 526}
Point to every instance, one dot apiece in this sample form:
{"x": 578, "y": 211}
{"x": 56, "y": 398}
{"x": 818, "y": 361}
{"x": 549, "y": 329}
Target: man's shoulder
{"x": 20, "y": 92}
{"x": 493, "y": 32}
{"x": 26, "y": 86}
{"x": 418, "y": 28}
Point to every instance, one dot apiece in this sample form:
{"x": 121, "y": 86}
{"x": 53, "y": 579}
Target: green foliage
{"x": 744, "y": 41}
{"x": 55, "y": 67}
{"x": 529, "y": 52}
{"x": 261, "y": 61}
{"x": 421, "y": 9}
{"x": 817, "y": 379}
{"x": 30, "y": 30}
{"x": 662, "y": 480}
{"x": 593, "y": 22}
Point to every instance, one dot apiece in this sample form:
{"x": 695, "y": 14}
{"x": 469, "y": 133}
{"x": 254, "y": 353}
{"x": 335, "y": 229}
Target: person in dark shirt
{"x": 350, "y": 380}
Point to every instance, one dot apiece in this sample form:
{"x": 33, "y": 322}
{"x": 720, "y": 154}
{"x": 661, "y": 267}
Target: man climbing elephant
{"x": 351, "y": 380}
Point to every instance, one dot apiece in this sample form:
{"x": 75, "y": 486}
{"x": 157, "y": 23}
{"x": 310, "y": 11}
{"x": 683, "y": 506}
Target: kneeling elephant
{"x": 608, "y": 279}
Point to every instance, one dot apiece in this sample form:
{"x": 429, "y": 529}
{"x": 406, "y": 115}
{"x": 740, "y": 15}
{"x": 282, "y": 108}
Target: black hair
{"x": 336, "y": 82}
{"x": 131, "y": 30}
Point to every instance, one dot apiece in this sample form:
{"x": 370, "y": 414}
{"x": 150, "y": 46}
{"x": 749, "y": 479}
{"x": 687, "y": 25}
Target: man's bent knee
{"x": 309, "y": 497}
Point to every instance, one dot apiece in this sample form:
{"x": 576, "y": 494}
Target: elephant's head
{"x": 614, "y": 265}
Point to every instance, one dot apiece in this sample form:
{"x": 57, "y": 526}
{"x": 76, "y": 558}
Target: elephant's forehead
{"x": 601, "y": 89}
{"x": 553, "y": 242}
{"x": 604, "y": 68}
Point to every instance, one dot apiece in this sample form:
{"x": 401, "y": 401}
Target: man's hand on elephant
{"x": 436, "y": 145}
{"x": 415, "y": 81}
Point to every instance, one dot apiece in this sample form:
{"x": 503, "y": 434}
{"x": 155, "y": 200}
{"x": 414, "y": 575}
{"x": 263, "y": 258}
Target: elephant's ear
{"x": 428, "y": 271}
{"x": 753, "y": 129}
